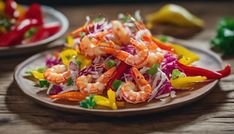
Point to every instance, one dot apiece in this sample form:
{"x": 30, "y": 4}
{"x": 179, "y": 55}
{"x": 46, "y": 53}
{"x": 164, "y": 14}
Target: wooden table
{"x": 213, "y": 114}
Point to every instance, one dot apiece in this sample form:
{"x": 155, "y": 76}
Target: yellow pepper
{"x": 186, "y": 82}
{"x": 101, "y": 100}
{"x": 108, "y": 102}
{"x": 84, "y": 61}
{"x": 2, "y": 6}
{"x": 37, "y": 75}
{"x": 67, "y": 55}
{"x": 188, "y": 57}
{"x": 21, "y": 10}
{"x": 111, "y": 95}
{"x": 70, "y": 41}
{"x": 174, "y": 14}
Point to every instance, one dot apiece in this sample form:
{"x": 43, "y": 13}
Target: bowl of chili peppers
{"x": 30, "y": 28}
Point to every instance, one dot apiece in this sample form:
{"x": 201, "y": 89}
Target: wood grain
{"x": 213, "y": 114}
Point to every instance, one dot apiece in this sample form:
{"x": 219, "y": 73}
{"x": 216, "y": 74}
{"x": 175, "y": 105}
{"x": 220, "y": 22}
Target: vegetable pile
{"x": 20, "y": 25}
{"x": 106, "y": 64}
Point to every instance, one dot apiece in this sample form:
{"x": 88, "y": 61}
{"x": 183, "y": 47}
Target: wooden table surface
{"x": 213, "y": 114}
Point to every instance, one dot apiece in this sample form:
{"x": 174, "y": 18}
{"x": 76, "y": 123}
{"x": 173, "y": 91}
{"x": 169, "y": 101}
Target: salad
{"x": 106, "y": 64}
{"x": 21, "y": 25}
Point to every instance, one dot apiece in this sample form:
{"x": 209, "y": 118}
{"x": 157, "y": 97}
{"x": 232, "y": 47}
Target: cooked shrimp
{"x": 144, "y": 36}
{"x": 120, "y": 33}
{"x": 137, "y": 60}
{"x": 91, "y": 47}
{"x": 136, "y": 93}
{"x": 57, "y": 74}
{"x": 84, "y": 28}
{"x": 83, "y": 83}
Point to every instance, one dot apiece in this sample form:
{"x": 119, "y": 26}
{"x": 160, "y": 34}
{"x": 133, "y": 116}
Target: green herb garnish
{"x": 177, "y": 74}
{"x": 125, "y": 18}
{"x": 98, "y": 19}
{"x": 4, "y": 22}
{"x": 41, "y": 69}
{"x": 30, "y": 32}
{"x": 164, "y": 39}
{"x": 88, "y": 102}
{"x": 44, "y": 83}
{"x": 69, "y": 81}
{"x": 110, "y": 63}
{"x": 116, "y": 84}
{"x": 82, "y": 34}
{"x": 153, "y": 70}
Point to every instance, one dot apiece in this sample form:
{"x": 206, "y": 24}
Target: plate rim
{"x": 119, "y": 112}
{"x": 64, "y": 27}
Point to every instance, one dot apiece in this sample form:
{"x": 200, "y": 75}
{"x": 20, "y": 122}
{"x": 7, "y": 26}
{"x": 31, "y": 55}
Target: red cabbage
{"x": 52, "y": 60}
{"x": 165, "y": 88}
{"x": 55, "y": 90}
{"x": 168, "y": 64}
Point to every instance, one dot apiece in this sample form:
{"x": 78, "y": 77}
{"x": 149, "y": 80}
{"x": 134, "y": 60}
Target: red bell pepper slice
{"x": 44, "y": 32}
{"x": 10, "y": 7}
{"x": 197, "y": 71}
{"x": 226, "y": 71}
{"x": 15, "y": 36}
{"x": 117, "y": 74}
{"x": 33, "y": 12}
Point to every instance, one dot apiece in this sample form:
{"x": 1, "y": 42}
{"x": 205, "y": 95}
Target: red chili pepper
{"x": 196, "y": 71}
{"x": 44, "y": 32}
{"x": 15, "y": 36}
{"x": 226, "y": 71}
{"x": 10, "y": 7}
{"x": 117, "y": 74}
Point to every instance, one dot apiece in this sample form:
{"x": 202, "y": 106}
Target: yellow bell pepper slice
{"x": 111, "y": 95}
{"x": 21, "y": 10}
{"x": 84, "y": 61}
{"x": 174, "y": 14}
{"x": 2, "y": 6}
{"x": 188, "y": 57}
{"x": 67, "y": 55}
{"x": 108, "y": 102}
{"x": 101, "y": 100}
{"x": 186, "y": 82}
{"x": 37, "y": 75}
{"x": 70, "y": 41}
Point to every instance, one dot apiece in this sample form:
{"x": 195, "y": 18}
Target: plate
{"x": 208, "y": 60}
{"x": 50, "y": 15}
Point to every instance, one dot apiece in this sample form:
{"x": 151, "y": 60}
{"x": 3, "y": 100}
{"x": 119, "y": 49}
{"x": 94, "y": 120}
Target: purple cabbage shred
{"x": 52, "y": 60}
{"x": 55, "y": 90}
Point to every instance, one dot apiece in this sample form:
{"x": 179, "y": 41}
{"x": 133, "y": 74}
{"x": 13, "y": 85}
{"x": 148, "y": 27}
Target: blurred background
{"x": 93, "y": 2}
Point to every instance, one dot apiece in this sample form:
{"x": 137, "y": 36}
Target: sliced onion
{"x": 143, "y": 70}
{"x": 163, "y": 78}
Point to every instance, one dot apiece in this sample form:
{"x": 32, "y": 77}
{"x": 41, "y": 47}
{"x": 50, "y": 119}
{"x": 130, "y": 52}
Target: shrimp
{"x": 84, "y": 85}
{"x": 120, "y": 33}
{"x": 57, "y": 74}
{"x": 91, "y": 47}
{"x": 144, "y": 36}
{"x": 137, "y": 60}
{"x": 136, "y": 93}
{"x": 84, "y": 29}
